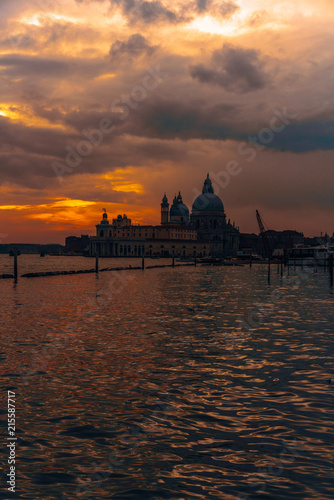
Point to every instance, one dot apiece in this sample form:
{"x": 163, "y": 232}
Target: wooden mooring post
{"x": 173, "y": 259}
{"x": 97, "y": 262}
{"x": 269, "y": 270}
{"x": 143, "y": 261}
{"x": 331, "y": 271}
{"x": 15, "y": 264}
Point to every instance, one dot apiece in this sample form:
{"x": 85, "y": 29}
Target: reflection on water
{"x": 130, "y": 390}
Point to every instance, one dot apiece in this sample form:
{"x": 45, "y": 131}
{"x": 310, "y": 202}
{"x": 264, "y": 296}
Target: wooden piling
{"x": 250, "y": 259}
{"x": 143, "y": 261}
{"x": 97, "y": 262}
{"x": 173, "y": 260}
{"x": 331, "y": 271}
{"x": 269, "y": 270}
{"x": 15, "y": 264}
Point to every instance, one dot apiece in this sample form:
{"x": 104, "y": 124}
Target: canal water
{"x": 185, "y": 383}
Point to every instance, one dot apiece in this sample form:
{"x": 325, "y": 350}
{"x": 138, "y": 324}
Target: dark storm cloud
{"x": 29, "y": 64}
{"x": 303, "y": 137}
{"x": 147, "y": 12}
{"x": 136, "y": 45}
{"x": 154, "y": 11}
{"x": 233, "y": 68}
{"x": 171, "y": 119}
{"x": 36, "y": 67}
{"x": 27, "y": 80}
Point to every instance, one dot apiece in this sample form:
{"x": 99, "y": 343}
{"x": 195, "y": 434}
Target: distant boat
{"x": 308, "y": 256}
{"x": 11, "y": 253}
{"x": 247, "y": 254}
{"x": 42, "y": 254}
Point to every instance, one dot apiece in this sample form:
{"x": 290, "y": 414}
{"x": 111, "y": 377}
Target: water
{"x": 143, "y": 385}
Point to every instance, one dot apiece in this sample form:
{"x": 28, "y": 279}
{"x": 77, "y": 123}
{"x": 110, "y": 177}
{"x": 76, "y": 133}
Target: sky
{"x": 111, "y": 103}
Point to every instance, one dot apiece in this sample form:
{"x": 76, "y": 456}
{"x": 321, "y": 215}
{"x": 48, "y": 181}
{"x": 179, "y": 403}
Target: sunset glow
{"x": 67, "y": 67}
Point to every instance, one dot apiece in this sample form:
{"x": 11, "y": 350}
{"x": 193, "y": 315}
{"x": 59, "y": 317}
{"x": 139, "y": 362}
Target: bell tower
{"x": 164, "y": 210}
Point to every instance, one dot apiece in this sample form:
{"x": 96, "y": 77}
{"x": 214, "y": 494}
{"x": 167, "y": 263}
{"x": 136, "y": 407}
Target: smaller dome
{"x": 179, "y": 210}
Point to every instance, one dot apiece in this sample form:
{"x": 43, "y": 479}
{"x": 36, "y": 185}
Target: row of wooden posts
{"x": 281, "y": 265}
{"x": 142, "y": 262}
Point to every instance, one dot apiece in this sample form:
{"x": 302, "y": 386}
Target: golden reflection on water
{"x": 138, "y": 364}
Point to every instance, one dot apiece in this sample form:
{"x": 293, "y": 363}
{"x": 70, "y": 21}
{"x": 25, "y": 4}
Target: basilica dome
{"x": 208, "y": 201}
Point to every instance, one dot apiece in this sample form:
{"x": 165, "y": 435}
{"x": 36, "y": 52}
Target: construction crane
{"x": 267, "y": 244}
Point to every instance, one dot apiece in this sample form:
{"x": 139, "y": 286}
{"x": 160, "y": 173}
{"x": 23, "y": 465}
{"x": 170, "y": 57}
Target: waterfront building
{"x": 121, "y": 238}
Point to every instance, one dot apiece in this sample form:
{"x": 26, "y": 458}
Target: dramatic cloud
{"x": 155, "y": 11}
{"x": 148, "y": 12}
{"x": 224, "y": 9}
{"x": 227, "y": 9}
{"x": 135, "y": 46}
{"x": 233, "y": 68}
{"x": 248, "y": 81}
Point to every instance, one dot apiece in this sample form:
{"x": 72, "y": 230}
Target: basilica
{"x": 202, "y": 233}
{"x": 207, "y": 218}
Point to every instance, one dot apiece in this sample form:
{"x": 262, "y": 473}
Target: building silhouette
{"x": 202, "y": 233}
